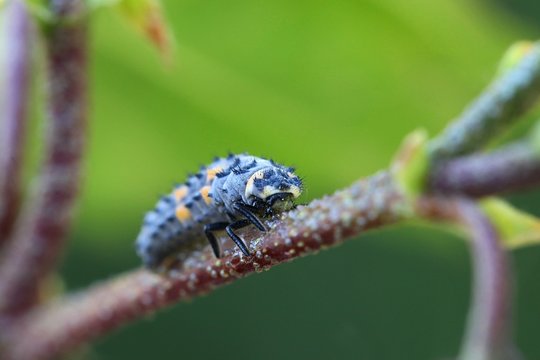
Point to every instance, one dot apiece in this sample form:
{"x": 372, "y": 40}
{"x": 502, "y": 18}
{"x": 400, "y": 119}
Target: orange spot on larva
{"x": 204, "y": 193}
{"x": 211, "y": 173}
{"x": 182, "y": 213}
{"x": 180, "y": 193}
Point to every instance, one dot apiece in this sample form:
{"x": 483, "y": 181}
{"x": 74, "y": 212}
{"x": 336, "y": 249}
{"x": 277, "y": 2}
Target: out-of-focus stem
{"x": 488, "y": 333}
{"x": 54, "y": 329}
{"x": 499, "y": 106}
{"x": 13, "y": 110}
{"x": 38, "y": 236}
{"x": 514, "y": 167}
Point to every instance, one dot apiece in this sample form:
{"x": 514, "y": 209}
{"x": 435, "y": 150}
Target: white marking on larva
{"x": 193, "y": 277}
{"x": 213, "y": 274}
{"x": 288, "y": 241}
{"x": 223, "y": 274}
{"x": 259, "y": 254}
{"x": 300, "y": 244}
{"x": 317, "y": 237}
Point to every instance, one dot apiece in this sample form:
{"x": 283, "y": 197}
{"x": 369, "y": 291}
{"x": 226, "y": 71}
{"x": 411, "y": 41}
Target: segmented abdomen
{"x": 178, "y": 219}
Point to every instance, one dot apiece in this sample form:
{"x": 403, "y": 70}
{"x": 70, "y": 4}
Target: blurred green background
{"x": 330, "y": 87}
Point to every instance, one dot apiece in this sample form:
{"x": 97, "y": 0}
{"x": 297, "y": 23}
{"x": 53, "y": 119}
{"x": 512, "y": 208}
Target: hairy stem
{"x": 488, "y": 333}
{"x": 13, "y": 111}
{"x": 514, "y": 167}
{"x": 508, "y": 97}
{"x": 66, "y": 323}
{"x": 38, "y": 237}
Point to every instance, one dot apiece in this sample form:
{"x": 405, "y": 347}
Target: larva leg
{"x": 208, "y": 231}
{"x": 247, "y": 212}
{"x": 237, "y": 240}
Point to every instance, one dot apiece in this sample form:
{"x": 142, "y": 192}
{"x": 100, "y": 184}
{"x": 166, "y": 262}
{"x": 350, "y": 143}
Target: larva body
{"x": 230, "y": 193}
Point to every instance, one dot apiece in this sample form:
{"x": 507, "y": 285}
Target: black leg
{"x": 244, "y": 210}
{"x": 208, "y": 231}
{"x": 237, "y": 240}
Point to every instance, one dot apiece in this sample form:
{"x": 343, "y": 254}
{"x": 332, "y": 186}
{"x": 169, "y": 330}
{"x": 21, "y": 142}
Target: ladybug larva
{"x": 229, "y": 194}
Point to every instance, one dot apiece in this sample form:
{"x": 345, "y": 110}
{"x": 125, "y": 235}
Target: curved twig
{"x": 38, "y": 236}
{"x": 13, "y": 115}
{"x": 488, "y": 335}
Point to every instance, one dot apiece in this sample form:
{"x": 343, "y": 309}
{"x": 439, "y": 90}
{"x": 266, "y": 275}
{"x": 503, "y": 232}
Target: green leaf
{"x": 412, "y": 163}
{"x": 516, "y": 228}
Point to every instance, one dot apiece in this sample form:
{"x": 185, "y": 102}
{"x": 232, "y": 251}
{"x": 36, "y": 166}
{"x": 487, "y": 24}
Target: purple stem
{"x": 488, "y": 332}
{"x": 488, "y": 335}
{"x": 514, "y": 167}
{"x": 39, "y": 235}
{"x": 13, "y": 114}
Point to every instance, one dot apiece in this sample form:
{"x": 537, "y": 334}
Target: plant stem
{"x": 52, "y": 330}
{"x": 13, "y": 113}
{"x": 38, "y": 236}
{"x": 514, "y": 167}
{"x": 488, "y": 333}
{"x": 501, "y": 104}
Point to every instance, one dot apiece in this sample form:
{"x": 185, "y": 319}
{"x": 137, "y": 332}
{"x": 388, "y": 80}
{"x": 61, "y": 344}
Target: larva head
{"x": 273, "y": 188}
